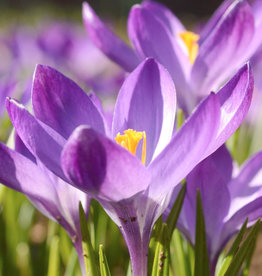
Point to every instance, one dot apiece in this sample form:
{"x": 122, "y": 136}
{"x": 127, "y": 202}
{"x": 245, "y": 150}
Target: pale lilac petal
{"x": 66, "y": 197}
{"x": 112, "y": 46}
{"x": 100, "y": 167}
{"x": 152, "y": 38}
{"x": 187, "y": 148}
{"x": 21, "y": 174}
{"x": 165, "y": 15}
{"x": 235, "y": 99}
{"x": 257, "y": 40}
{"x": 227, "y": 42}
{"x": 256, "y": 63}
{"x": 61, "y": 103}
{"x": 147, "y": 102}
{"x": 211, "y": 177}
{"x": 43, "y": 142}
{"x": 247, "y": 186}
{"x": 213, "y": 21}
{"x": 67, "y": 202}
{"x": 53, "y": 197}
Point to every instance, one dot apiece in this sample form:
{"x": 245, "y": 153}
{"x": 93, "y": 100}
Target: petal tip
{"x": 87, "y": 12}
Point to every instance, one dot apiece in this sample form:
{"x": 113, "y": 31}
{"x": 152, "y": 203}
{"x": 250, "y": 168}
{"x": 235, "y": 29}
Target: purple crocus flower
{"x": 133, "y": 194}
{"x": 21, "y": 171}
{"x": 227, "y": 199}
{"x": 197, "y": 63}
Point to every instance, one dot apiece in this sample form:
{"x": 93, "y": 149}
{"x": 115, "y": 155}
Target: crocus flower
{"x": 227, "y": 199}
{"x": 21, "y": 171}
{"x": 133, "y": 194}
{"x": 197, "y": 63}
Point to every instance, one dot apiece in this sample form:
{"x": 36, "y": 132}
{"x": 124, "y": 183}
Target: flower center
{"x": 130, "y": 139}
{"x": 190, "y": 39}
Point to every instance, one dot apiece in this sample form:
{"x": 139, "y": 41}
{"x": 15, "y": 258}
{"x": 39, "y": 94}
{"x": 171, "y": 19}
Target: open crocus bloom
{"x": 195, "y": 62}
{"x": 133, "y": 193}
{"x": 227, "y": 200}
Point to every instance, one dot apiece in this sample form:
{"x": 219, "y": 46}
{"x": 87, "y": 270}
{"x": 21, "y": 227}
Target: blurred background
{"x": 112, "y": 9}
{"x": 51, "y": 32}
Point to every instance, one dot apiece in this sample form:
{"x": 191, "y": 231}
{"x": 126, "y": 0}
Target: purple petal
{"x": 62, "y": 104}
{"x": 67, "y": 201}
{"x": 21, "y": 148}
{"x": 211, "y": 177}
{"x": 214, "y": 20}
{"x": 107, "y": 41}
{"x": 152, "y": 38}
{"x": 100, "y": 167}
{"x": 228, "y": 41}
{"x": 147, "y": 102}
{"x": 21, "y": 174}
{"x": 51, "y": 195}
{"x": 43, "y": 142}
{"x": 235, "y": 99}
{"x": 187, "y": 148}
{"x": 256, "y": 64}
{"x": 247, "y": 186}
{"x": 256, "y": 41}
{"x": 65, "y": 197}
{"x": 165, "y": 15}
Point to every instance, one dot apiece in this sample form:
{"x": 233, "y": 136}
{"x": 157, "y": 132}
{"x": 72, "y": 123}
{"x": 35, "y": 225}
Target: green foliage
{"x": 88, "y": 251}
{"x": 201, "y": 254}
{"x": 42, "y": 247}
{"x": 162, "y": 256}
{"x": 104, "y": 269}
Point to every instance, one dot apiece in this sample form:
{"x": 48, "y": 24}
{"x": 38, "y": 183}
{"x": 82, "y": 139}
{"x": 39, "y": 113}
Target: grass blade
{"x": 243, "y": 251}
{"x": 88, "y": 252}
{"x": 53, "y": 264}
{"x": 201, "y": 254}
{"x": 174, "y": 214}
{"x": 104, "y": 269}
{"x": 233, "y": 250}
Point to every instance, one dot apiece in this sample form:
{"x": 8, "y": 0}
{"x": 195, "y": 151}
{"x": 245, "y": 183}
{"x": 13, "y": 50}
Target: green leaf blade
{"x": 201, "y": 253}
{"x": 104, "y": 269}
{"x": 232, "y": 251}
{"x": 88, "y": 252}
{"x": 243, "y": 251}
{"x": 162, "y": 255}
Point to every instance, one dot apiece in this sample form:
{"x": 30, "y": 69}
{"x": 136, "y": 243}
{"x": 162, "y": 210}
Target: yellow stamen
{"x": 130, "y": 141}
{"x": 190, "y": 39}
{"x": 143, "y": 158}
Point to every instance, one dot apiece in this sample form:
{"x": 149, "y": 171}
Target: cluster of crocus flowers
{"x": 198, "y": 64}
{"x": 68, "y": 151}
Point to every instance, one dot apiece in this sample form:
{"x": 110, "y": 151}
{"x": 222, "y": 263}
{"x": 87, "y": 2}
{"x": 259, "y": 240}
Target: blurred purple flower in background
{"x": 228, "y": 199}
{"x": 58, "y": 44}
{"x": 196, "y": 63}
{"x": 74, "y": 53}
